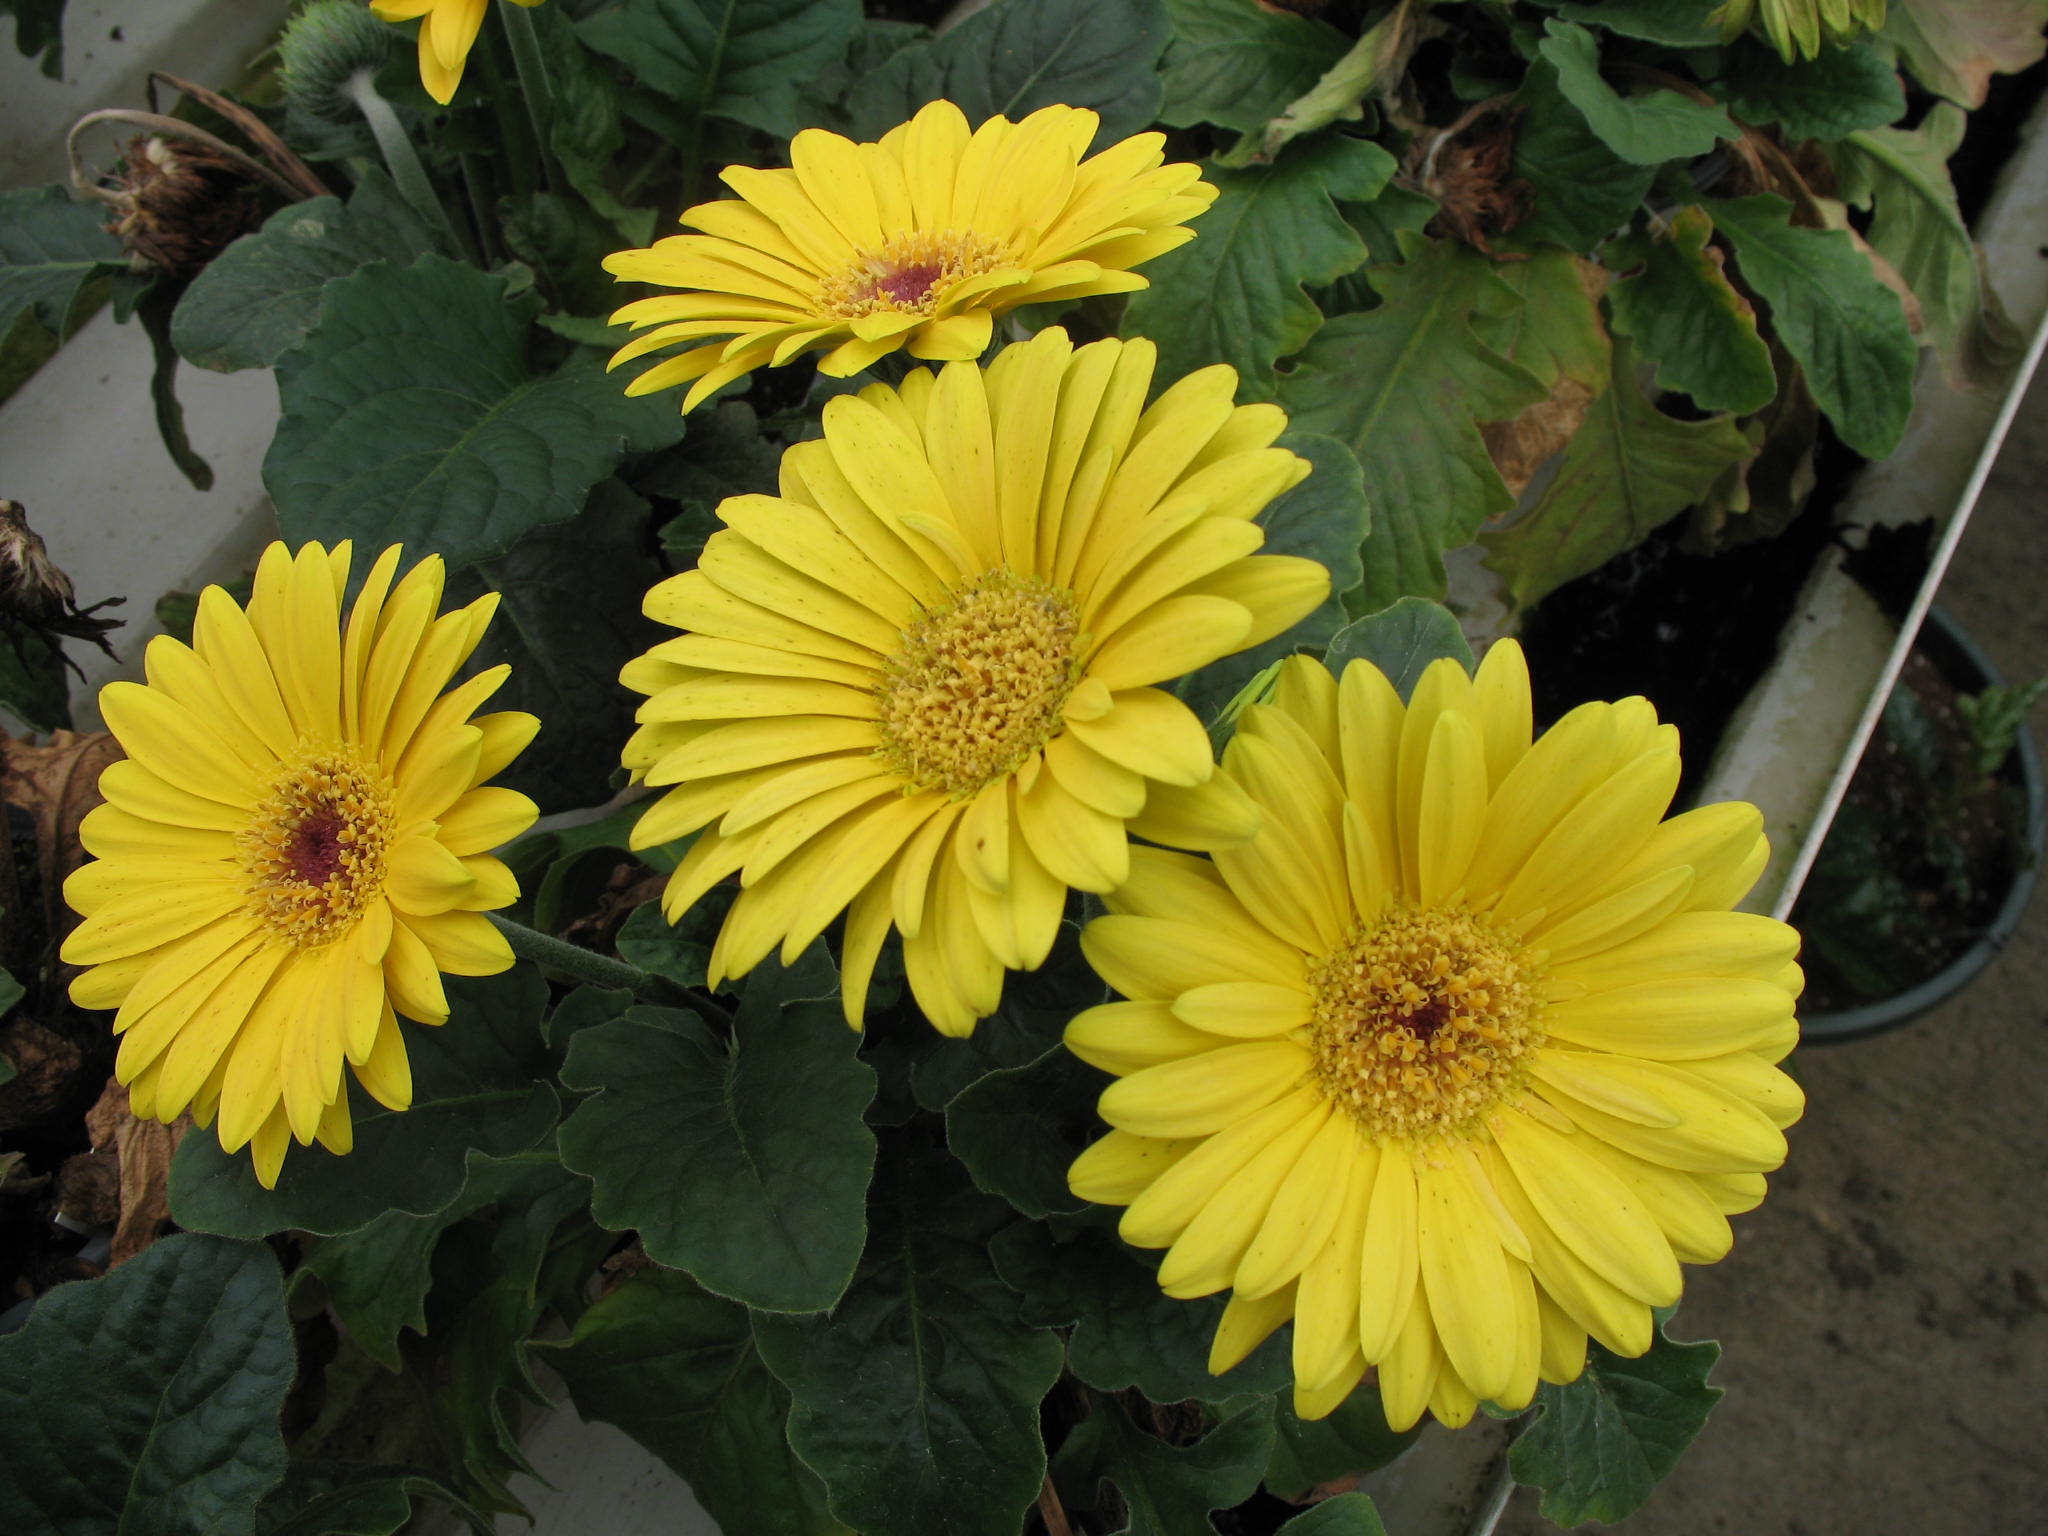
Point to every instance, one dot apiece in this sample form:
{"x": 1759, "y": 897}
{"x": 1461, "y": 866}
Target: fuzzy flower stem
{"x": 401, "y": 159}
{"x": 535, "y": 88}
{"x": 585, "y": 965}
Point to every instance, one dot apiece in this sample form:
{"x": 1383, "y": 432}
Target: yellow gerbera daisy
{"x": 919, "y": 681}
{"x": 918, "y": 241}
{"x": 295, "y": 847}
{"x": 446, "y": 36}
{"x": 1458, "y": 1058}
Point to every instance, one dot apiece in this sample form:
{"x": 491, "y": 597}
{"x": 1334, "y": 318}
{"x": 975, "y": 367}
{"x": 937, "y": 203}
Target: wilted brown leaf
{"x": 1522, "y": 446}
{"x": 1954, "y": 49}
{"x": 57, "y": 783}
{"x": 143, "y": 1149}
{"x": 46, "y": 1067}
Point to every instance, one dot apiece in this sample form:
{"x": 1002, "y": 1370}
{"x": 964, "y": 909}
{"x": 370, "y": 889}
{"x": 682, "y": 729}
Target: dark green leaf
{"x": 568, "y": 620}
{"x": 11, "y": 992}
{"x": 1829, "y": 97}
{"x": 1600, "y": 1445}
{"x": 474, "y": 1086}
{"x": 649, "y": 942}
{"x": 1650, "y": 129}
{"x": 38, "y": 29}
{"x": 1833, "y": 313}
{"x": 1372, "y": 67}
{"x": 738, "y": 59}
{"x": 148, "y": 1400}
{"x": 1325, "y": 519}
{"x": 410, "y": 413}
{"x": 324, "y": 1498}
{"x": 582, "y": 1008}
{"x": 1237, "y": 65}
{"x": 153, "y": 309}
{"x": 1917, "y": 227}
{"x": 917, "y": 1399}
{"x": 1349, "y": 1514}
{"x": 256, "y": 300}
{"x": 1168, "y": 1490}
{"x": 1402, "y": 640}
{"x": 1270, "y": 231}
{"x": 50, "y": 248}
{"x": 1018, "y": 1131}
{"x": 1580, "y": 190}
{"x": 1020, "y": 55}
{"x": 1688, "y": 319}
{"x": 745, "y": 1162}
{"x": 724, "y": 455}
{"x": 676, "y": 1368}
{"x": 33, "y": 682}
{"x": 1628, "y": 469}
{"x": 551, "y": 869}
{"x": 1405, "y": 386}
{"x": 1035, "y": 1008}
{"x": 1127, "y": 1332}
{"x": 1352, "y": 1439}
{"x": 1674, "y": 23}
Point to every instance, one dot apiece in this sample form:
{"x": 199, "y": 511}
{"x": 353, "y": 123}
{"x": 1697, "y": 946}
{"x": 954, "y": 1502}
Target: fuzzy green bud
{"x": 325, "y": 46}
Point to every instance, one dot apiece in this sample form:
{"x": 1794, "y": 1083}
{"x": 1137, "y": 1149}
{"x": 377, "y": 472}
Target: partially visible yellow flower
{"x": 920, "y": 684}
{"x": 446, "y": 35}
{"x": 295, "y": 849}
{"x": 919, "y": 241}
{"x": 1457, "y": 1059}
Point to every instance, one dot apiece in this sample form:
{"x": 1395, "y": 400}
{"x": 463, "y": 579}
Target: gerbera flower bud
{"x": 917, "y": 241}
{"x": 35, "y": 596}
{"x": 322, "y": 49}
{"x": 296, "y": 849}
{"x": 179, "y": 204}
{"x": 921, "y": 684}
{"x": 1460, "y": 1057}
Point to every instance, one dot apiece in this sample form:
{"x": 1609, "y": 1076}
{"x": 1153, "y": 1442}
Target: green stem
{"x": 535, "y": 88}
{"x": 401, "y": 159}
{"x": 583, "y": 964}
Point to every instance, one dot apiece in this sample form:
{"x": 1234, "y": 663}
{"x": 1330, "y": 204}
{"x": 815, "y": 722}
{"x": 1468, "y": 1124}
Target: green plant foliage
{"x": 1832, "y": 313}
{"x": 1238, "y": 65}
{"x": 1325, "y": 518}
{"x": 1402, "y": 640}
{"x": 724, "y": 455}
{"x": 256, "y": 300}
{"x": 1168, "y": 1490}
{"x": 1580, "y": 191}
{"x": 1021, "y": 55}
{"x": 1628, "y": 469}
{"x": 1034, "y": 1011}
{"x": 50, "y": 249}
{"x": 1271, "y": 231}
{"x": 1650, "y": 129}
{"x": 675, "y": 1367}
{"x": 377, "y": 1278}
{"x": 1686, "y": 317}
{"x": 410, "y": 412}
{"x": 1348, "y": 1514}
{"x": 172, "y": 1369}
{"x": 1829, "y": 97}
{"x": 737, "y": 59}
{"x": 1554, "y": 330}
{"x": 1018, "y": 1130}
{"x": 1126, "y": 1331}
{"x": 917, "y": 1399}
{"x": 1352, "y": 1438}
{"x": 649, "y": 941}
{"x": 1405, "y": 387}
{"x": 11, "y": 992}
{"x": 476, "y": 1084}
{"x": 744, "y": 1161}
{"x": 1371, "y": 67}
{"x": 1995, "y": 718}
{"x": 1954, "y": 50}
{"x": 1599, "y": 1446}
{"x": 337, "y": 1499}
{"x": 1902, "y": 177}
{"x": 565, "y": 625}
{"x": 39, "y": 29}
{"x": 33, "y": 681}
{"x": 1674, "y": 23}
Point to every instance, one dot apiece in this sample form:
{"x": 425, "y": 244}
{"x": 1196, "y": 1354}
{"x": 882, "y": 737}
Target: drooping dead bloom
{"x": 36, "y": 597}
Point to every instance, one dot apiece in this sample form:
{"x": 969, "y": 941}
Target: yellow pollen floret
{"x": 314, "y": 853}
{"x": 977, "y": 686}
{"x": 910, "y": 273}
{"x": 1424, "y": 1020}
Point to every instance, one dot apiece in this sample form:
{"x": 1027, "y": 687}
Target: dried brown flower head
{"x": 36, "y": 597}
{"x": 177, "y": 205}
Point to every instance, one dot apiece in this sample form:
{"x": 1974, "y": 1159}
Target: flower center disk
{"x": 978, "y": 686}
{"x": 314, "y": 852}
{"x": 1424, "y": 1022}
{"x": 910, "y": 273}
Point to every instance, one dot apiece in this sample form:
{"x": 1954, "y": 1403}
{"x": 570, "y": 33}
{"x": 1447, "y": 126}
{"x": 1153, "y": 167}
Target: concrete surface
{"x": 1882, "y": 1314}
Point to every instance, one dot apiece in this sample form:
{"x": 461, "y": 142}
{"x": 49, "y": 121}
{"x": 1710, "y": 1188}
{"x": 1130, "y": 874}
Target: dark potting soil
{"x": 1919, "y": 858}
